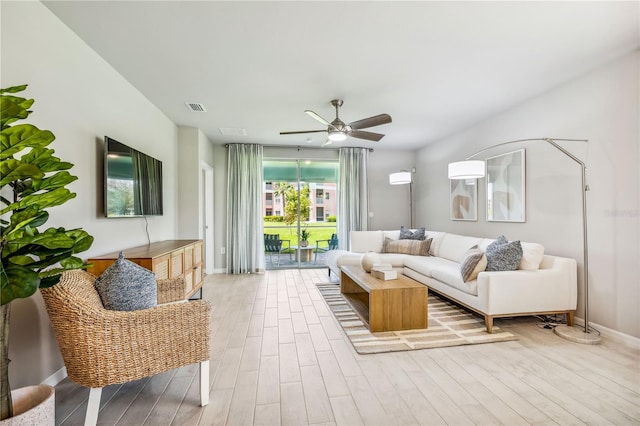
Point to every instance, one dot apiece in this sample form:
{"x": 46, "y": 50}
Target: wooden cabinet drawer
{"x": 177, "y": 263}
{"x": 160, "y": 266}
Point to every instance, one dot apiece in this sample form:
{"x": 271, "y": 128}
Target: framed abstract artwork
{"x": 464, "y": 199}
{"x": 506, "y": 187}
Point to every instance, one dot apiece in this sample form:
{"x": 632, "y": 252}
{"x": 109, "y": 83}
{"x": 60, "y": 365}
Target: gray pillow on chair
{"x": 126, "y": 286}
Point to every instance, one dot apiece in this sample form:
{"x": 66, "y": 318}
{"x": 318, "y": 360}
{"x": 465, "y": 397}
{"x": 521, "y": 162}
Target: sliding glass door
{"x": 300, "y": 207}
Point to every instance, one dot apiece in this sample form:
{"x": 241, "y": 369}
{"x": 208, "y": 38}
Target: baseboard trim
{"x": 56, "y": 377}
{"x": 611, "y": 334}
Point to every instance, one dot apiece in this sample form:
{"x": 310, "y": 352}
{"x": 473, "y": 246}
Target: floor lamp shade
{"x": 468, "y": 169}
{"x": 400, "y": 178}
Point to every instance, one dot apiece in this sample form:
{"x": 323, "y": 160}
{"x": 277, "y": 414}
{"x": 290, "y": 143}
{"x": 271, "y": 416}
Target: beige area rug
{"x": 449, "y": 325}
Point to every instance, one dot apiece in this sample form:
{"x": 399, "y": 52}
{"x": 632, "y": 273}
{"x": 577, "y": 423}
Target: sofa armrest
{"x": 553, "y": 288}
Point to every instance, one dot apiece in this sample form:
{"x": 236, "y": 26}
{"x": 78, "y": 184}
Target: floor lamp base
{"x": 577, "y": 334}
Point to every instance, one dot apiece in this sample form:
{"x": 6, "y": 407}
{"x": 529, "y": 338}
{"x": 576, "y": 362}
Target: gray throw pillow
{"x": 126, "y": 286}
{"x": 407, "y": 234}
{"x": 503, "y": 255}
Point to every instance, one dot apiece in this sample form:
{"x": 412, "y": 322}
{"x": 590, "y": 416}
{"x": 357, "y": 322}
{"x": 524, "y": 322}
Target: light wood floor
{"x": 279, "y": 357}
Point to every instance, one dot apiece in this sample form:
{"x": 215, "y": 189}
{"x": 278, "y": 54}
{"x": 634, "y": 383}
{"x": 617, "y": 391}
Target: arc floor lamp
{"x": 475, "y": 169}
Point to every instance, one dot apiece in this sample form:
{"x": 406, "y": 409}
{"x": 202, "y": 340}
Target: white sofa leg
{"x": 93, "y": 406}
{"x": 204, "y": 383}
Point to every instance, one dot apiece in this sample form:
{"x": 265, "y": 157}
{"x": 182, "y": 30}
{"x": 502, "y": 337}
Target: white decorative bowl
{"x": 369, "y": 259}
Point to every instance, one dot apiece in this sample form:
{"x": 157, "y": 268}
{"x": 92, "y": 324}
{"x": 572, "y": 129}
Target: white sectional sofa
{"x": 542, "y": 284}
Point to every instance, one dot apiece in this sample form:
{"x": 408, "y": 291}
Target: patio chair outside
{"x": 274, "y": 245}
{"x": 332, "y": 244}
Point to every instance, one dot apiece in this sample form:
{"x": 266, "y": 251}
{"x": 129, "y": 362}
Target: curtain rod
{"x": 299, "y": 147}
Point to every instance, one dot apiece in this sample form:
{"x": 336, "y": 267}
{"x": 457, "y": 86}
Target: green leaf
{"x": 22, "y": 260}
{"x": 83, "y": 240}
{"x": 14, "y": 89}
{"x": 13, "y": 170}
{"x": 71, "y": 263}
{"x": 52, "y": 238}
{"x": 16, "y": 138}
{"x": 49, "y": 281}
{"x": 31, "y": 216}
{"x": 44, "y": 159}
{"x": 17, "y": 282}
{"x": 48, "y": 199}
{"x": 54, "y": 181}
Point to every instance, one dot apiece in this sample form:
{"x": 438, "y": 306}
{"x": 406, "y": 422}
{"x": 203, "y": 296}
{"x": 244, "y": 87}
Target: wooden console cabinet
{"x": 167, "y": 259}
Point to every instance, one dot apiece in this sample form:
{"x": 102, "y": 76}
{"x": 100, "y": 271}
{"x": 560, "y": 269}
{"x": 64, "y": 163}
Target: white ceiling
{"x": 435, "y": 67}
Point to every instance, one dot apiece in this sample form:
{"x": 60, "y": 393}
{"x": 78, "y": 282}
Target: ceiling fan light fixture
{"x": 337, "y": 136}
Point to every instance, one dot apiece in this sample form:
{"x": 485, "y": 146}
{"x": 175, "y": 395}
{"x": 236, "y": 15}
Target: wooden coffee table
{"x": 399, "y": 304}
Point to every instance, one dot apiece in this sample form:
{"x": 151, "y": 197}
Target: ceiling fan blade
{"x": 376, "y": 120}
{"x": 370, "y": 136}
{"x": 327, "y": 142}
{"x": 317, "y": 117}
{"x": 302, "y": 131}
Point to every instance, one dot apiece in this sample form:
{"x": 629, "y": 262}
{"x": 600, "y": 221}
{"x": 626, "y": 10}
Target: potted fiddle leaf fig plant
{"x": 32, "y": 180}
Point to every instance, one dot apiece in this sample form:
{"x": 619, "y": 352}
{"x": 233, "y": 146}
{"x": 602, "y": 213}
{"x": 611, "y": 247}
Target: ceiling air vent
{"x": 195, "y": 107}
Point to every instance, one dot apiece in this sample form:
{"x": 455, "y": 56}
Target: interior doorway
{"x": 300, "y": 207}
{"x": 208, "y": 215}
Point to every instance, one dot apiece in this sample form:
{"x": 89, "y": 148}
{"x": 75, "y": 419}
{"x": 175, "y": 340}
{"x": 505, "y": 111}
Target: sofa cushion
{"x": 454, "y": 247}
{"x": 364, "y": 241}
{"x": 126, "y": 286}
{"x": 437, "y": 241}
{"x": 394, "y": 235}
{"x": 532, "y": 254}
{"x": 450, "y": 275}
{"x": 408, "y": 234}
{"x": 426, "y": 265}
{"x": 412, "y": 247}
{"x": 473, "y": 263}
{"x": 503, "y": 255}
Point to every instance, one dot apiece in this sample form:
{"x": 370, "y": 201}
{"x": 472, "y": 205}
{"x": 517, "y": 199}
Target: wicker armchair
{"x": 102, "y": 347}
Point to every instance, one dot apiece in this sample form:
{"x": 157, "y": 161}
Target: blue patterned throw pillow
{"x": 503, "y": 255}
{"x": 407, "y": 234}
{"x": 126, "y": 286}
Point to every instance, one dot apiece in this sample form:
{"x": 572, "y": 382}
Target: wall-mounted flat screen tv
{"x": 133, "y": 181}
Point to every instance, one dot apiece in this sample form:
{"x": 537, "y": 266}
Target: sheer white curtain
{"x": 245, "y": 241}
{"x": 353, "y": 193}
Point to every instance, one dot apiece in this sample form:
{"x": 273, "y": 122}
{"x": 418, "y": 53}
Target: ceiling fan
{"x": 338, "y": 131}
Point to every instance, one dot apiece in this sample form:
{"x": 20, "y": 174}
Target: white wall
{"x": 603, "y": 107}
{"x": 80, "y": 98}
{"x": 389, "y": 204}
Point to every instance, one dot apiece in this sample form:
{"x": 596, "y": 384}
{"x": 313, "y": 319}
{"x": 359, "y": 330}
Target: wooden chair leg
{"x": 204, "y": 383}
{"x": 93, "y": 406}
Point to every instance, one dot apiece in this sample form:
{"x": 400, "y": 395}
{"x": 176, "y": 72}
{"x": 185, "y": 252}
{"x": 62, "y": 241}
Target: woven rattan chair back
{"x": 101, "y": 347}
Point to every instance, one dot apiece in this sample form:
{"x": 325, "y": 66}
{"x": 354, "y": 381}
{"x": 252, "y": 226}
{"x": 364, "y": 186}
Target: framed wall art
{"x": 464, "y": 199}
{"x": 506, "y": 187}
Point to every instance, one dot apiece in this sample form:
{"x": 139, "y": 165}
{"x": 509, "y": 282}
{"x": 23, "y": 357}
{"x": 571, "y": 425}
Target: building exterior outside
{"x": 323, "y": 201}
